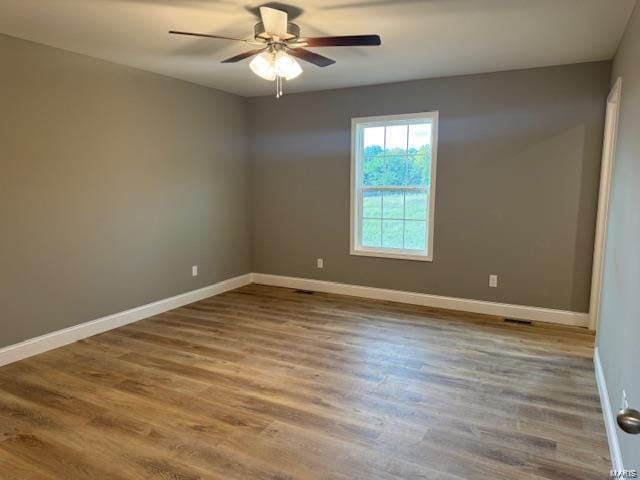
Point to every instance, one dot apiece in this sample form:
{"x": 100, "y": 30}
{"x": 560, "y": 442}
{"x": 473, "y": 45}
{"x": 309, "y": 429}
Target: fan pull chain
{"x": 278, "y": 86}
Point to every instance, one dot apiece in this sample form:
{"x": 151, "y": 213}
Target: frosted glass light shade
{"x": 263, "y": 66}
{"x": 286, "y": 66}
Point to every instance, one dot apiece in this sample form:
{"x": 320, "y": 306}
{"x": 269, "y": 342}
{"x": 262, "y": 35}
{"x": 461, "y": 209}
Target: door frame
{"x": 604, "y": 196}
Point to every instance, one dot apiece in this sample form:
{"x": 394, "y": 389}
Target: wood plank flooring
{"x": 269, "y": 383}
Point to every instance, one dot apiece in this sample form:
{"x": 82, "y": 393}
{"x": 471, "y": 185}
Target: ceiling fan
{"x": 279, "y": 41}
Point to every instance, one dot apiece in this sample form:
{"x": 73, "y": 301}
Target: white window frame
{"x": 355, "y": 217}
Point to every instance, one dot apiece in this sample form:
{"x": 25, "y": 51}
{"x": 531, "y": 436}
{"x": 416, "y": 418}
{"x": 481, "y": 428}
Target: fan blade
{"x": 311, "y": 57}
{"x": 192, "y": 34}
{"x": 343, "y": 41}
{"x": 275, "y": 21}
{"x": 244, "y": 55}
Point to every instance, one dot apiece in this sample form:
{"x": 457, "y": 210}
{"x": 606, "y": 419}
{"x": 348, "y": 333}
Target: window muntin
{"x": 393, "y": 185}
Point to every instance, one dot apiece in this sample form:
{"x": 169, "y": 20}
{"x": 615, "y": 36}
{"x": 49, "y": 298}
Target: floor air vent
{"x": 518, "y": 322}
{"x": 305, "y": 292}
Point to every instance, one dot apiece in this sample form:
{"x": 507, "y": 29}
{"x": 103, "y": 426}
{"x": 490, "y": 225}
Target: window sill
{"x": 390, "y": 254}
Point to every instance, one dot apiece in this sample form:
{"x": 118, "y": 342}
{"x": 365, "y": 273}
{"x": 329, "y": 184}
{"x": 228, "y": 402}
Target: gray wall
{"x": 518, "y": 170}
{"x": 113, "y": 183}
{"x": 619, "y": 331}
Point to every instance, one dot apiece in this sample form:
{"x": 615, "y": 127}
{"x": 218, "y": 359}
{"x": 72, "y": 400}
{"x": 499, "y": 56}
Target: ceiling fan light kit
{"x": 280, "y": 41}
{"x": 276, "y": 65}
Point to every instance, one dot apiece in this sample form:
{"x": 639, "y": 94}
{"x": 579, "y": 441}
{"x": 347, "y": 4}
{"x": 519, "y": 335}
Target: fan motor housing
{"x": 293, "y": 31}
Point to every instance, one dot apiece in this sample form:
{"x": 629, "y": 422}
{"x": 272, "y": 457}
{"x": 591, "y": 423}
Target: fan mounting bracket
{"x": 259, "y": 33}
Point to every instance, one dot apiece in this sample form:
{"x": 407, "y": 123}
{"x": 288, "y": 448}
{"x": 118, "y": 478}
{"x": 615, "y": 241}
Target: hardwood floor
{"x": 269, "y": 383}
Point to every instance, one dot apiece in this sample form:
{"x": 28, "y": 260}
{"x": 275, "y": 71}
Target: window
{"x": 393, "y": 173}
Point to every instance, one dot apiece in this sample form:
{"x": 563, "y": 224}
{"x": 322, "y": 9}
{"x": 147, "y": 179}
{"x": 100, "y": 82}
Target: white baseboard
{"x": 56, "y": 339}
{"x": 450, "y": 303}
{"x": 609, "y": 417}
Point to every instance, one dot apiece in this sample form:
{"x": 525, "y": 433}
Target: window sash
{"x": 408, "y": 188}
{"x": 404, "y": 219}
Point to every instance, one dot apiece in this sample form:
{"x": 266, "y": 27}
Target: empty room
{"x": 319, "y": 240}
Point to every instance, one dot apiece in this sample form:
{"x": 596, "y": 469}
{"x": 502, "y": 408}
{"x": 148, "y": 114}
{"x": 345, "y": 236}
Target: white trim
{"x": 609, "y": 418}
{"x": 400, "y": 118}
{"x": 522, "y": 312}
{"x": 49, "y": 341}
{"x": 391, "y": 253}
{"x": 56, "y": 339}
{"x": 604, "y": 197}
{"x": 355, "y": 214}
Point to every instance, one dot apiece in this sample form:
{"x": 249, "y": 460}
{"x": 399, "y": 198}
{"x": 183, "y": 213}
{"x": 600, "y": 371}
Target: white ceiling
{"x": 420, "y": 38}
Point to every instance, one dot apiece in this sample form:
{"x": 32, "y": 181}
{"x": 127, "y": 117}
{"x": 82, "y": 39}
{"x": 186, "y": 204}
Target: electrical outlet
{"x": 320, "y": 262}
{"x": 493, "y": 281}
{"x": 194, "y": 271}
